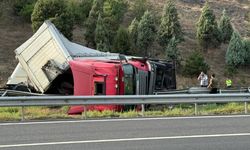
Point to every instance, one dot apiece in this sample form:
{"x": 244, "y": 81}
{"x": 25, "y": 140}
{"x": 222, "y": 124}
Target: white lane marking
{"x": 120, "y": 120}
{"x": 124, "y": 140}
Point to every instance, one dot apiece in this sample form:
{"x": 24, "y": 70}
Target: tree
{"x": 170, "y": 26}
{"x": 207, "y": 30}
{"x": 172, "y": 52}
{"x": 97, "y": 8}
{"x": 133, "y": 34}
{"x": 102, "y": 47}
{"x": 101, "y": 40}
{"x": 115, "y": 9}
{"x": 247, "y": 16}
{"x": 80, "y": 9}
{"x": 195, "y": 64}
{"x": 24, "y": 8}
{"x": 139, "y": 7}
{"x": 113, "y": 12}
{"x": 246, "y": 43}
{"x": 121, "y": 42}
{"x": 111, "y": 27}
{"x": 56, "y": 11}
{"x": 225, "y": 27}
{"x": 146, "y": 33}
{"x": 236, "y": 51}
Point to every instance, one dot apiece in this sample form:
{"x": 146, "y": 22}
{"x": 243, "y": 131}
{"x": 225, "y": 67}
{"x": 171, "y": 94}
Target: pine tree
{"x": 139, "y": 7}
{"x": 172, "y": 52}
{"x": 56, "y": 11}
{"x": 101, "y": 34}
{"x": 247, "y": 46}
{"x": 207, "y": 29}
{"x": 111, "y": 27}
{"x": 102, "y": 47}
{"x": 247, "y": 16}
{"x": 113, "y": 13}
{"x": 146, "y": 33}
{"x": 91, "y": 22}
{"x": 121, "y": 42}
{"x": 133, "y": 34}
{"x": 115, "y": 9}
{"x": 236, "y": 51}
{"x": 80, "y": 9}
{"x": 195, "y": 64}
{"x": 225, "y": 27}
{"x": 170, "y": 25}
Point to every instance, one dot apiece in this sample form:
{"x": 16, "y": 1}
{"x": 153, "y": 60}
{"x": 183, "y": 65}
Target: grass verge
{"x": 41, "y": 113}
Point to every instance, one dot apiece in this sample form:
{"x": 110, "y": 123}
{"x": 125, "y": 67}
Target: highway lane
{"x": 222, "y": 132}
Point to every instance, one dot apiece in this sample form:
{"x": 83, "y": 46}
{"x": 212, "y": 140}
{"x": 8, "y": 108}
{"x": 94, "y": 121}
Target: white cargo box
{"x": 46, "y": 55}
{"x": 43, "y": 50}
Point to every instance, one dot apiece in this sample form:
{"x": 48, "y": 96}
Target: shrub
{"x": 195, "y": 64}
{"x": 230, "y": 70}
{"x": 172, "y": 52}
{"x": 57, "y": 12}
{"x": 24, "y": 8}
{"x": 121, "y": 41}
{"x": 80, "y": 9}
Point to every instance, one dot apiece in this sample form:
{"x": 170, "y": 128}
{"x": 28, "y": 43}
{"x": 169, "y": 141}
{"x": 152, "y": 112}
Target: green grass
{"x": 231, "y": 108}
{"x": 39, "y": 113}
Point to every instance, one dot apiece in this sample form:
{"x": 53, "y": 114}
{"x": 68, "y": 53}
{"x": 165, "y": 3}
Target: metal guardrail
{"x": 200, "y": 90}
{"x": 124, "y": 99}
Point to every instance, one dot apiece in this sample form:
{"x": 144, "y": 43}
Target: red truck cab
{"x": 115, "y": 77}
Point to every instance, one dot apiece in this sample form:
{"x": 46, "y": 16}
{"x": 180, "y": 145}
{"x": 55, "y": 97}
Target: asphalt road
{"x": 193, "y": 133}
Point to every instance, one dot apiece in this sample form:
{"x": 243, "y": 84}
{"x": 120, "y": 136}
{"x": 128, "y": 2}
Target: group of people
{"x": 212, "y": 83}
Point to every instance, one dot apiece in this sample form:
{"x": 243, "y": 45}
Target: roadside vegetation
{"x": 169, "y": 29}
{"x": 41, "y": 113}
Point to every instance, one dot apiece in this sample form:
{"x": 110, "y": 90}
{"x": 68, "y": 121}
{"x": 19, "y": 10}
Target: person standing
{"x": 228, "y": 83}
{"x": 213, "y": 84}
{"x": 203, "y": 79}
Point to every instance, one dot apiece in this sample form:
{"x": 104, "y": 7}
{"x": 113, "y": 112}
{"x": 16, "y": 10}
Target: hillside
{"x": 14, "y": 31}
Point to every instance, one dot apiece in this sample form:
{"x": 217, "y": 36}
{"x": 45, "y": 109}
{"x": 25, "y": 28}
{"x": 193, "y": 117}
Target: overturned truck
{"x": 51, "y": 64}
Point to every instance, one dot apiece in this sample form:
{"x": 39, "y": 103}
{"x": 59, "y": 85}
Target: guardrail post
{"x": 246, "y": 109}
{"x": 84, "y": 115}
{"x": 195, "y": 109}
{"x": 142, "y": 109}
{"x": 22, "y": 114}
